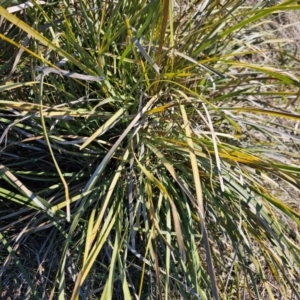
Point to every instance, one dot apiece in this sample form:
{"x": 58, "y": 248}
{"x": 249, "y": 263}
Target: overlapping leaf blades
{"x": 174, "y": 172}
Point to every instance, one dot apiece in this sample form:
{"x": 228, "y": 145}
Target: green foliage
{"x": 147, "y": 151}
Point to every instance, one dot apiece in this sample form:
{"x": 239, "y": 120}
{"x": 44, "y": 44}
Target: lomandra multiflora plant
{"x": 149, "y": 150}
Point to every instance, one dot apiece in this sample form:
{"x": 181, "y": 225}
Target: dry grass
{"x": 39, "y": 243}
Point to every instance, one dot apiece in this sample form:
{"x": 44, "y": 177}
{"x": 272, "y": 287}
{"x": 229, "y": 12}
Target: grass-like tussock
{"x": 146, "y": 151}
